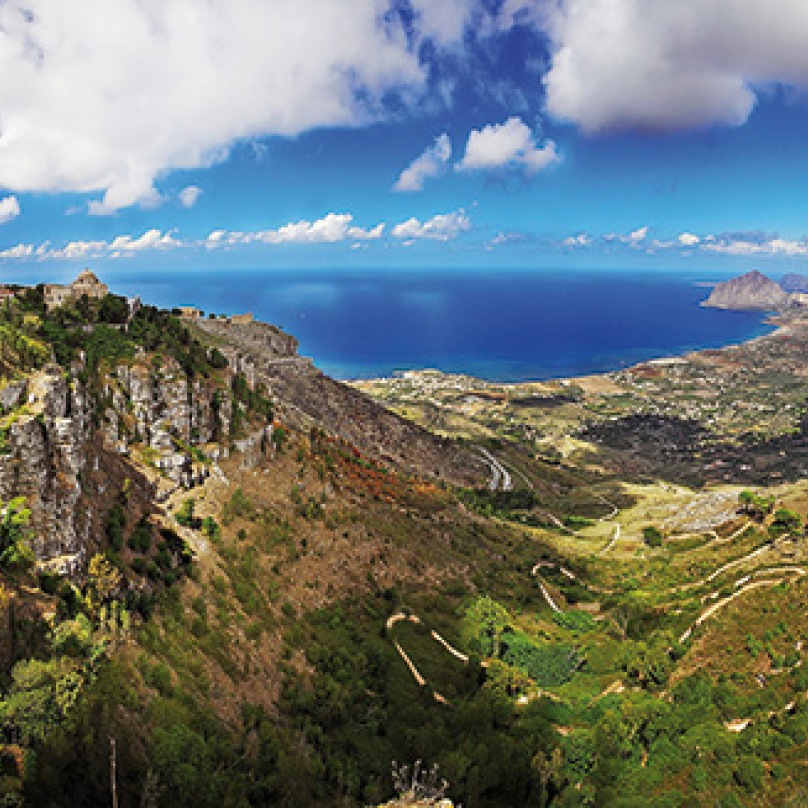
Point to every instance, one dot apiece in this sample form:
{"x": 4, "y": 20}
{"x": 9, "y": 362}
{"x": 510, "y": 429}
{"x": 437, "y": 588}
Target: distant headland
{"x": 754, "y": 291}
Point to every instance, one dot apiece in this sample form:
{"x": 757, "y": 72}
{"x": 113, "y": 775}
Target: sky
{"x": 220, "y": 134}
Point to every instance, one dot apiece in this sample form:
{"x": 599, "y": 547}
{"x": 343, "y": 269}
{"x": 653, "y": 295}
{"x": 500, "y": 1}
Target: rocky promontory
{"x": 752, "y": 291}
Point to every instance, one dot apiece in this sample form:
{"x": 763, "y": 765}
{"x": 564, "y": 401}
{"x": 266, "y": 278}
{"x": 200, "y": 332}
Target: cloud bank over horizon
{"x": 204, "y": 118}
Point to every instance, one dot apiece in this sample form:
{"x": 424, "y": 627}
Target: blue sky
{"x": 403, "y": 133}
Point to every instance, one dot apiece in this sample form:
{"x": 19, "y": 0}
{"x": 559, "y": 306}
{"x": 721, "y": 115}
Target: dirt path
{"x": 711, "y": 610}
{"x": 450, "y": 648}
{"x": 416, "y": 674}
{"x": 553, "y": 605}
{"x": 748, "y": 557}
{"x": 611, "y": 542}
{"x": 500, "y": 476}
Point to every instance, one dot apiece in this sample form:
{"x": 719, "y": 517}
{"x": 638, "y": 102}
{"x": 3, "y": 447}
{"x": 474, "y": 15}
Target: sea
{"x": 500, "y": 325}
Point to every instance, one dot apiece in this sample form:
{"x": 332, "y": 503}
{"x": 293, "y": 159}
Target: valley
{"x": 270, "y": 587}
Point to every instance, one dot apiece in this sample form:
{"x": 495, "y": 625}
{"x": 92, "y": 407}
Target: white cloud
{"x": 443, "y": 227}
{"x": 20, "y": 251}
{"x": 510, "y": 237}
{"x": 671, "y": 65}
{"x": 580, "y": 240}
{"x": 189, "y": 195}
{"x": 444, "y": 21}
{"x": 150, "y": 240}
{"x": 688, "y": 239}
{"x": 120, "y": 247}
{"x": 162, "y": 86}
{"x": 9, "y": 209}
{"x": 78, "y": 249}
{"x": 636, "y": 236}
{"x": 505, "y": 145}
{"x": 745, "y": 246}
{"x": 331, "y": 228}
{"x": 429, "y": 164}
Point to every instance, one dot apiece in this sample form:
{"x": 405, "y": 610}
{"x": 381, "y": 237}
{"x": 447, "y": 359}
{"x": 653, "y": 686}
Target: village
{"x": 712, "y": 415}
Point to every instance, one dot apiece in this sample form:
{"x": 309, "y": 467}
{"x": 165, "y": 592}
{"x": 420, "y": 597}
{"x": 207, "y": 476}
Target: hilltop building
{"x": 189, "y": 312}
{"x": 241, "y": 319}
{"x": 86, "y": 284}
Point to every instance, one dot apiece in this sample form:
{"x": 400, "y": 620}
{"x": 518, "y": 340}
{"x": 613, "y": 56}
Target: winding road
{"x": 500, "y": 476}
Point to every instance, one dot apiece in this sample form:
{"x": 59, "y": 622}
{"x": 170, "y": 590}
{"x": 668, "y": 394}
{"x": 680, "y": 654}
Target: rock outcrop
{"x": 794, "y": 283}
{"x": 752, "y": 291}
{"x": 304, "y": 396}
{"x": 43, "y": 450}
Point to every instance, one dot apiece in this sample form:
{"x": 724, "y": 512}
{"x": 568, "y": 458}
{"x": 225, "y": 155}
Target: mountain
{"x": 794, "y": 283}
{"x": 750, "y": 291}
{"x": 226, "y": 579}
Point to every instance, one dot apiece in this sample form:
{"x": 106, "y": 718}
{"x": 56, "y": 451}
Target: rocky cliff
{"x": 68, "y": 453}
{"x": 750, "y": 291}
{"x": 305, "y": 397}
{"x": 67, "y": 448}
{"x": 43, "y": 452}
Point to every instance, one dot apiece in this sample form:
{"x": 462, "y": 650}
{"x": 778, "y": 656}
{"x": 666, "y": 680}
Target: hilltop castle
{"x": 86, "y": 284}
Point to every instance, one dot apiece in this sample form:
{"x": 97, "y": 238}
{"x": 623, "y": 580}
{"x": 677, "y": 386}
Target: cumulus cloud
{"x": 429, "y": 164}
{"x": 189, "y": 195}
{"x": 636, "y": 235}
{"x": 658, "y": 65}
{"x": 442, "y": 227}
{"x": 20, "y": 251}
{"x": 444, "y": 22}
{"x": 579, "y": 240}
{"x": 505, "y": 145}
{"x": 740, "y": 245}
{"x": 150, "y": 240}
{"x": 162, "y": 86}
{"x": 9, "y": 209}
{"x": 119, "y": 247}
{"x": 331, "y": 228}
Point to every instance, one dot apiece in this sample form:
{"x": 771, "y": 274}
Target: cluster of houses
{"x": 190, "y": 313}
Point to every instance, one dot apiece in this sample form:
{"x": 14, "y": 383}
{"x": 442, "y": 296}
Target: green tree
{"x": 15, "y": 553}
{"x": 486, "y": 620}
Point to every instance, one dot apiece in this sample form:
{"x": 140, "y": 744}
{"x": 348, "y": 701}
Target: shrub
{"x": 749, "y": 773}
{"x": 652, "y": 536}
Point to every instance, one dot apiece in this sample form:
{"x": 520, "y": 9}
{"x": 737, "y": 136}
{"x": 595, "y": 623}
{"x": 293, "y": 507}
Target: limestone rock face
{"x": 42, "y": 459}
{"x": 47, "y": 429}
{"x": 255, "y": 337}
{"x": 750, "y": 291}
{"x": 163, "y": 403}
{"x": 13, "y": 395}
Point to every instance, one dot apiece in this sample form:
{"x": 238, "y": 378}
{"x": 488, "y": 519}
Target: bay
{"x": 500, "y": 326}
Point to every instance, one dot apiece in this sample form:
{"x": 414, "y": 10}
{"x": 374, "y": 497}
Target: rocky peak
{"x": 750, "y": 291}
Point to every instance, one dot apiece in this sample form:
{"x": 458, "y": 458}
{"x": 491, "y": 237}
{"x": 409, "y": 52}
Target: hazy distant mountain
{"x": 750, "y": 291}
{"x": 794, "y": 283}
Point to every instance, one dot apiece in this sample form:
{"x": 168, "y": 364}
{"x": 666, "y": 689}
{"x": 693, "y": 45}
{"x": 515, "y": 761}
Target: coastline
{"x": 781, "y": 327}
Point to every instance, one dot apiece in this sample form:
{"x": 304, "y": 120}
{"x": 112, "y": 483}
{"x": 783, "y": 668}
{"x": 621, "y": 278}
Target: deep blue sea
{"x": 498, "y": 325}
